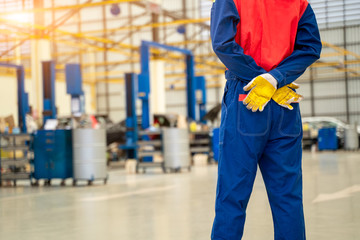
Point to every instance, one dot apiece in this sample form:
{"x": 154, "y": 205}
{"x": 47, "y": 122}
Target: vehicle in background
{"x": 64, "y": 122}
{"x": 311, "y": 126}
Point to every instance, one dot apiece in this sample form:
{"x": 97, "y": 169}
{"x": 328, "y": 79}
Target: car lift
{"x": 49, "y": 106}
{"x": 22, "y": 96}
{"x": 138, "y": 86}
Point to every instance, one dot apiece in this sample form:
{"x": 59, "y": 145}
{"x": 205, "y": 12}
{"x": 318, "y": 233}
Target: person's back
{"x": 267, "y": 29}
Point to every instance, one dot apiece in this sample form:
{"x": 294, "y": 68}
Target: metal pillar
{"x": 48, "y": 73}
{"x": 201, "y": 96}
{"x": 312, "y": 92}
{"x": 23, "y": 99}
{"x": 155, "y": 30}
{"x": 105, "y": 59}
{"x": 184, "y": 10}
{"x": 191, "y": 86}
{"x": 131, "y": 86}
{"x": 144, "y": 86}
{"x": 347, "y": 102}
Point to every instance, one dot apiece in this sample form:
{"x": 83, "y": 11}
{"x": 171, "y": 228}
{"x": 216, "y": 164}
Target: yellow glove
{"x": 286, "y": 95}
{"x": 262, "y": 89}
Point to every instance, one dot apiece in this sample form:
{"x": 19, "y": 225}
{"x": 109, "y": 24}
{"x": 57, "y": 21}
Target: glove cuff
{"x": 270, "y": 79}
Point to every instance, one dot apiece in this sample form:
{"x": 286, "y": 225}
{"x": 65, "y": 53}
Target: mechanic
{"x": 265, "y": 45}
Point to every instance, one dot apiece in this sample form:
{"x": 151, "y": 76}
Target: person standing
{"x": 265, "y": 45}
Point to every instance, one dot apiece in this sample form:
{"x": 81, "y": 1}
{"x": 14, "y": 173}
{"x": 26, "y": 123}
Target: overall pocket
{"x": 290, "y": 122}
{"x": 253, "y": 123}
{"x": 228, "y": 97}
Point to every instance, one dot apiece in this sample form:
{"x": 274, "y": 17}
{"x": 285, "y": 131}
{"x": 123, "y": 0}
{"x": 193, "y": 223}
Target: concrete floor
{"x": 155, "y": 206}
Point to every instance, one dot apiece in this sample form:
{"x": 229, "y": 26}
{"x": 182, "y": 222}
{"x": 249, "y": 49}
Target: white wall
{"x": 8, "y": 97}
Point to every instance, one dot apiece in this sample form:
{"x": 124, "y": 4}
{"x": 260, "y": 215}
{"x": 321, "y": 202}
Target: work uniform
{"x": 254, "y": 37}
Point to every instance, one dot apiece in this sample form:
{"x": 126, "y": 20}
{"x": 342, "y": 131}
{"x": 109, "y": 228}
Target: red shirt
{"x": 267, "y": 29}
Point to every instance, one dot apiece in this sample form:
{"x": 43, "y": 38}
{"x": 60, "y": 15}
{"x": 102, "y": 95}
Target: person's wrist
{"x": 279, "y": 77}
{"x": 270, "y": 79}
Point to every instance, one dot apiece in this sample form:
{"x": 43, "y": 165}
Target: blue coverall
{"x": 270, "y": 139}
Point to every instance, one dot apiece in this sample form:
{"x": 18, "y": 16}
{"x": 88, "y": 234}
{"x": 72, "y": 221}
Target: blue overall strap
{"x": 224, "y": 20}
{"x": 307, "y": 50}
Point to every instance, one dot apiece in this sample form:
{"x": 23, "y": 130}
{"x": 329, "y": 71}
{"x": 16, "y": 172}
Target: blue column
{"x": 201, "y": 86}
{"x": 48, "y": 71}
{"x": 23, "y": 99}
{"x": 144, "y": 85}
{"x": 131, "y": 117}
{"x": 191, "y": 86}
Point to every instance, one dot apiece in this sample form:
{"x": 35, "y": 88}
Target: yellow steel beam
{"x": 184, "y": 88}
{"x": 107, "y": 41}
{"x": 201, "y": 73}
{"x": 12, "y": 70}
{"x": 189, "y": 42}
{"x": 183, "y": 81}
{"x": 87, "y": 46}
{"x": 9, "y": 59}
{"x": 76, "y": 35}
{"x": 106, "y": 74}
{"x": 206, "y": 55}
{"x": 59, "y": 54}
{"x": 174, "y": 56}
{"x": 86, "y": 65}
{"x": 341, "y": 50}
{"x": 337, "y": 67}
{"x": 343, "y": 69}
{"x": 113, "y": 80}
{"x": 67, "y": 7}
{"x": 335, "y": 64}
{"x": 152, "y": 25}
{"x": 325, "y": 64}
{"x": 6, "y": 70}
{"x": 169, "y": 75}
{"x": 352, "y": 71}
{"x": 70, "y": 43}
{"x": 332, "y": 54}
{"x": 176, "y": 75}
{"x": 206, "y": 69}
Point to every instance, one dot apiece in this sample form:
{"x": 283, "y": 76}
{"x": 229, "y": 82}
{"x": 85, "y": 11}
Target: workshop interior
{"x": 111, "y": 116}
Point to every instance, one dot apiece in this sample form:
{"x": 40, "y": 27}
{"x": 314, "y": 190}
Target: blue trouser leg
{"x": 241, "y": 145}
{"x": 280, "y": 166}
{"x": 247, "y": 139}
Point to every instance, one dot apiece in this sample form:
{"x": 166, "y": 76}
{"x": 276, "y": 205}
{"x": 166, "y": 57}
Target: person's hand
{"x": 262, "y": 89}
{"x": 286, "y": 95}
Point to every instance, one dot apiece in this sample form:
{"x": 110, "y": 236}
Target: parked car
{"x": 311, "y": 126}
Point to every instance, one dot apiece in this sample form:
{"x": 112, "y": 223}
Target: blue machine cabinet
{"x": 53, "y": 155}
{"x": 327, "y": 139}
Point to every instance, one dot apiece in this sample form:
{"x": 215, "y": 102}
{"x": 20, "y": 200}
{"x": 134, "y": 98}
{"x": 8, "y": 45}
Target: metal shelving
{"x": 148, "y": 149}
{"x": 15, "y": 166}
{"x": 200, "y": 142}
